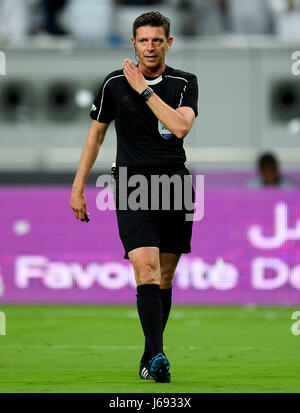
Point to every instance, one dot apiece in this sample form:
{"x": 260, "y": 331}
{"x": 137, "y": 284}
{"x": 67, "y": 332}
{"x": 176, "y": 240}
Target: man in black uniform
{"x": 154, "y": 107}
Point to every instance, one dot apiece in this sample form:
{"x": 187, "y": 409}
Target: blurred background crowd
{"x": 104, "y": 20}
{"x": 59, "y": 51}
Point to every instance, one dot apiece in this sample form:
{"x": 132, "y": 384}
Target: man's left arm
{"x": 179, "y": 121}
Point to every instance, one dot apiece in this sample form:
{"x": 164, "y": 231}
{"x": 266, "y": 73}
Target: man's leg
{"x": 168, "y": 264}
{"x": 146, "y": 264}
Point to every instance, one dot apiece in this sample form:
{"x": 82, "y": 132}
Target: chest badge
{"x": 164, "y": 132}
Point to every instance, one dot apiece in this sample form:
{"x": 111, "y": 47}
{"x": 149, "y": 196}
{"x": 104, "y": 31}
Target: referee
{"x": 154, "y": 107}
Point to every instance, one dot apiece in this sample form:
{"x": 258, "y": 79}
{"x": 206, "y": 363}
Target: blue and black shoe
{"x": 159, "y": 368}
{"x": 144, "y": 371}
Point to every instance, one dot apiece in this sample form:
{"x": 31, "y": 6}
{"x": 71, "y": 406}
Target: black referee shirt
{"x": 142, "y": 140}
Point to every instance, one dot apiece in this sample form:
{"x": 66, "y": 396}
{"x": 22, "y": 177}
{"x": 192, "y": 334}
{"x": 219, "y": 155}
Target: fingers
{"x": 78, "y": 204}
{"x": 129, "y": 65}
{"x": 128, "y": 62}
{"x": 125, "y": 67}
{"x": 82, "y": 214}
{"x": 134, "y": 76}
{"x": 79, "y": 213}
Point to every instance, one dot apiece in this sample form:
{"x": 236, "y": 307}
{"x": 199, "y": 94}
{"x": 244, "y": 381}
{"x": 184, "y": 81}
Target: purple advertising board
{"x": 245, "y": 250}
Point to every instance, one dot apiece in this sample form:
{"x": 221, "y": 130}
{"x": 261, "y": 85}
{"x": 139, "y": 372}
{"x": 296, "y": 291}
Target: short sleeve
{"x": 103, "y": 108}
{"x": 189, "y": 95}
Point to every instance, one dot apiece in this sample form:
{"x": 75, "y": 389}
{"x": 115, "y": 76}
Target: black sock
{"x": 150, "y": 312}
{"x": 166, "y": 302}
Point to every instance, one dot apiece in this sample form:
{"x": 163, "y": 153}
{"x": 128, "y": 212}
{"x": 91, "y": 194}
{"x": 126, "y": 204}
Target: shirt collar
{"x": 154, "y": 81}
{"x": 158, "y": 79}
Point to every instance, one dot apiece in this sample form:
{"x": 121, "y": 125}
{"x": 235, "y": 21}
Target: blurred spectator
{"x": 250, "y": 16}
{"x": 223, "y": 6}
{"x": 36, "y": 23}
{"x": 270, "y": 175}
{"x": 202, "y": 17}
{"x": 215, "y": 17}
{"x": 14, "y": 19}
{"x": 189, "y": 16}
{"x": 52, "y": 12}
{"x": 287, "y": 18}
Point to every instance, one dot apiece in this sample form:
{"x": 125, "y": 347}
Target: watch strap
{"x": 147, "y": 93}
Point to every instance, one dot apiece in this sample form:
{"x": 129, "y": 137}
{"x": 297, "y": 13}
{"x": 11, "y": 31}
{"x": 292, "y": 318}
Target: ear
{"x": 133, "y": 42}
{"x": 170, "y": 41}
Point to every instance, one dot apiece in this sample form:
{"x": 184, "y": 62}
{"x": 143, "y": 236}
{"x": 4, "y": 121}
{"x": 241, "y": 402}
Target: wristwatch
{"x": 147, "y": 93}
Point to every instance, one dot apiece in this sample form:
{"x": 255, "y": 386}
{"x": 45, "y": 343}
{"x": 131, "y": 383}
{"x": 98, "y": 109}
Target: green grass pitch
{"x": 91, "y": 349}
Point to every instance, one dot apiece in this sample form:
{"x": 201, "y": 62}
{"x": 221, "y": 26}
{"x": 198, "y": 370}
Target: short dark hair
{"x": 267, "y": 159}
{"x": 154, "y": 19}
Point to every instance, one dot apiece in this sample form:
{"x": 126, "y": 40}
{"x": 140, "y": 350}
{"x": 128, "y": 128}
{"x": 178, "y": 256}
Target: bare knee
{"x": 147, "y": 274}
{"x": 166, "y": 281}
{"x": 145, "y": 261}
{"x": 168, "y": 264}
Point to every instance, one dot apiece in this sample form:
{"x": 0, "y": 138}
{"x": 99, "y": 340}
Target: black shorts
{"x": 169, "y": 230}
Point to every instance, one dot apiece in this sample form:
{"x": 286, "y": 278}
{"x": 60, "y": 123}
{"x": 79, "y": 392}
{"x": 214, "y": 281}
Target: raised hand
{"x": 134, "y": 76}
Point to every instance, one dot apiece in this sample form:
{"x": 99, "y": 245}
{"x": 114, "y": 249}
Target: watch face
{"x": 147, "y": 92}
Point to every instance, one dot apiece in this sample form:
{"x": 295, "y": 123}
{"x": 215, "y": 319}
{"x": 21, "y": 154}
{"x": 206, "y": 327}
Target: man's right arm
{"x": 88, "y": 156}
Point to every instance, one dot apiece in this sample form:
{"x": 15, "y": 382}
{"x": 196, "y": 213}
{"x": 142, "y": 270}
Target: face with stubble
{"x": 151, "y": 45}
